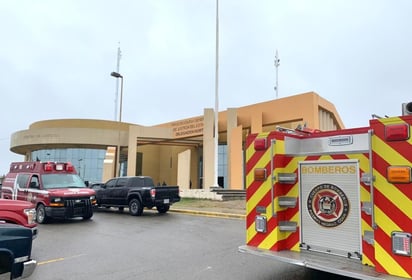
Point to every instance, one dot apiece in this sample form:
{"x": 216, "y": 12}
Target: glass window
{"x": 22, "y": 180}
{"x": 222, "y": 164}
{"x": 34, "y": 182}
{"x": 60, "y": 181}
{"x": 111, "y": 183}
{"x": 88, "y": 162}
{"x": 121, "y": 182}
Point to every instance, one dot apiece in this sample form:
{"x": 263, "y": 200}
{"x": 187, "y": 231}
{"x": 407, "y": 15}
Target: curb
{"x": 208, "y": 213}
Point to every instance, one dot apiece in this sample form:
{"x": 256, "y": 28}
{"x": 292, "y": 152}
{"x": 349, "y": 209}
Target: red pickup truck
{"x": 20, "y": 213}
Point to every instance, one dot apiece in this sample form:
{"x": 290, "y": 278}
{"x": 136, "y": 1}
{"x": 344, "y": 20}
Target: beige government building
{"x": 180, "y": 152}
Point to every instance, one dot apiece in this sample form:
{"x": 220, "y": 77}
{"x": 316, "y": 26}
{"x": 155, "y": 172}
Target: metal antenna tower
{"x": 116, "y": 98}
{"x": 277, "y": 63}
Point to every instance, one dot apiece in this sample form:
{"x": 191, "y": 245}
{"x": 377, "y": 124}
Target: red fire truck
{"x": 54, "y": 187}
{"x": 336, "y": 201}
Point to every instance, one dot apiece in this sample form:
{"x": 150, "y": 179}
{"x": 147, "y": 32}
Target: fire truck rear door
{"x": 330, "y": 203}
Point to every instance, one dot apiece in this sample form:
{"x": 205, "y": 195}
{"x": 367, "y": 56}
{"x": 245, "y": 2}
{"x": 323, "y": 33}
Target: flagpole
{"x": 215, "y": 181}
{"x": 277, "y": 63}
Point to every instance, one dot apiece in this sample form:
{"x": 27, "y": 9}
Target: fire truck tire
{"x": 41, "y": 216}
{"x": 163, "y": 208}
{"x": 135, "y": 207}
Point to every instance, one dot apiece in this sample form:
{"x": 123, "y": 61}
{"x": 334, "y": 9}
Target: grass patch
{"x": 190, "y": 200}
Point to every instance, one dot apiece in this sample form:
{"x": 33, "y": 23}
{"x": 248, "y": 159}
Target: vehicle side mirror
{"x": 6, "y": 264}
{"x": 87, "y": 183}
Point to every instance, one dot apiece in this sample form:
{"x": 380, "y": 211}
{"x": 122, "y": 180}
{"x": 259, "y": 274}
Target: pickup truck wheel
{"x": 163, "y": 208}
{"x": 41, "y": 216}
{"x": 135, "y": 207}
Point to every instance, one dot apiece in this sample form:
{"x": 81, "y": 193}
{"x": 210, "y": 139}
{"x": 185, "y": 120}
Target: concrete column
{"x": 256, "y": 122}
{"x": 235, "y": 154}
{"x": 132, "y": 151}
{"x": 233, "y": 159}
{"x": 109, "y": 163}
{"x": 208, "y": 149}
{"x": 183, "y": 170}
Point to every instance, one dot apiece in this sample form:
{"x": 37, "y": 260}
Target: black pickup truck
{"x": 136, "y": 193}
{"x": 15, "y": 251}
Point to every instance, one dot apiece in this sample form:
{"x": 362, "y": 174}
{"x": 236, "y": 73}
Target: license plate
{"x": 166, "y": 201}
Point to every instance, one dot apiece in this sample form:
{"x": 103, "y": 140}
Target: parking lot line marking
{"x": 51, "y": 261}
{"x": 60, "y": 259}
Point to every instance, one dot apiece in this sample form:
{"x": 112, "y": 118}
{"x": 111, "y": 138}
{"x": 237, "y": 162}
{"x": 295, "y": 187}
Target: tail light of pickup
{"x": 153, "y": 193}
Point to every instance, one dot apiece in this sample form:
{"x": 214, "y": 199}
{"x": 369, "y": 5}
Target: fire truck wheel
{"x": 135, "y": 207}
{"x": 41, "y": 216}
{"x": 163, "y": 208}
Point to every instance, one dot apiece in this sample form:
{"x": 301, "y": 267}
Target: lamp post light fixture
{"x": 118, "y": 76}
{"x": 80, "y": 167}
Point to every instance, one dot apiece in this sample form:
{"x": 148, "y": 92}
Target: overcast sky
{"x": 56, "y": 58}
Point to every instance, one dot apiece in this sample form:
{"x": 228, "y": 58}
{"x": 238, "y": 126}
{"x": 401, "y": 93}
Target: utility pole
{"x": 277, "y": 63}
{"x": 116, "y": 99}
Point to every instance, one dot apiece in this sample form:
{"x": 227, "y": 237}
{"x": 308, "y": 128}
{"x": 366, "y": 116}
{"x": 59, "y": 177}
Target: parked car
{"x": 15, "y": 251}
{"x": 19, "y": 212}
{"x": 136, "y": 192}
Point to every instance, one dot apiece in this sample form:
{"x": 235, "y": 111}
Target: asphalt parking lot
{"x": 114, "y": 245}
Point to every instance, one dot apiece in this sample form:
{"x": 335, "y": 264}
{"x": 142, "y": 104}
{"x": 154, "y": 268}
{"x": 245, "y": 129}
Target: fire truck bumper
{"x": 323, "y": 262}
{"x": 67, "y": 212}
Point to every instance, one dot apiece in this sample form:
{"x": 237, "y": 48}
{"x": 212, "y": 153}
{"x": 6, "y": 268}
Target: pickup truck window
{"x": 142, "y": 182}
{"x": 139, "y": 182}
{"x": 111, "y": 183}
{"x": 121, "y": 182}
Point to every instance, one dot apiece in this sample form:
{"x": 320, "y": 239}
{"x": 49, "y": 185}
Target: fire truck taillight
{"x": 401, "y": 243}
{"x": 399, "y": 174}
{"x": 260, "y": 144}
{"x": 397, "y": 132}
{"x": 260, "y": 174}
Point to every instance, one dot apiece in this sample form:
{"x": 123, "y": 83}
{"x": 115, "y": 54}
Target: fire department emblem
{"x": 328, "y": 205}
